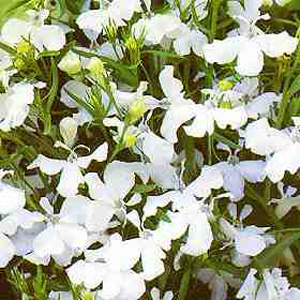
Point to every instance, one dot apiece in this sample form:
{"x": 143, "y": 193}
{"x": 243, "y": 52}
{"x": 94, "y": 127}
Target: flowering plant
{"x": 150, "y": 149}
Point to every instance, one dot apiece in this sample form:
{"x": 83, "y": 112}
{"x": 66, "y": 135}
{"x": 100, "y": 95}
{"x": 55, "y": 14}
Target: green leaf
{"x": 8, "y": 49}
{"x": 184, "y": 286}
{"x": 268, "y": 257}
{"x": 168, "y": 54}
{"x": 51, "y": 97}
{"x": 295, "y": 107}
{"x": 47, "y": 54}
{"x": 144, "y": 188}
{"x": 220, "y": 138}
{"x": 81, "y": 102}
{"x": 295, "y": 86}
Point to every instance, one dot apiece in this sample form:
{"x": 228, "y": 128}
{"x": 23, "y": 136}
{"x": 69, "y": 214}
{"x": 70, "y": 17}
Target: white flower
{"x": 93, "y": 22}
{"x": 109, "y": 195}
{"x": 70, "y": 168}
{"x": 62, "y": 237}
{"x": 249, "y": 43}
{"x": 14, "y": 105}
{"x": 287, "y": 200}
{"x": 263, "y": 139}
{"x": 235, "y": 172}
{"x": 286, "y": 158}
{"x": 43, "y": 37}
{"x": 273, "y": 286}
{"x": 190, "y": 39}
{"x": 180, "y": 110}
{"x": 111, "y": 265}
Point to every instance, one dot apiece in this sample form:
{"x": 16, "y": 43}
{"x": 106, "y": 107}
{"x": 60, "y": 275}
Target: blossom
{"x": 15, "y": 105}
{"x": 93, "y": 22}
{"x": 105, "y": 265}
{"x": 249, "y": 43}
{"x": 43, "y": 37}
{"x": 234, "y": 172}
{"x": 70, "y": 168}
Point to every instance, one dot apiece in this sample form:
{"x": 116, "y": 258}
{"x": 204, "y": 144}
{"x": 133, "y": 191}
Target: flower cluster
{"x": 141, "y": 143}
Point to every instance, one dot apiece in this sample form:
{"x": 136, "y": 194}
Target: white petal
{"x": 250, "y": 60}
{"x": 11, "y": 199}
{"x": 47, "y": 165}
{"x": 171, "y": 86}
{"x": 100, "y": 154}
{"x": 174, "y": 118}
{"x": 253, "y": 171}
{"x": 249, "y": 244}
{"x": 73, "y": 235}
{"x": 210, "y": 178}
{"x": 70, "y": 174}
{"x": 7, "y": 250}
{"x": 14, "y": 30}
{"x": 50, "y": 37}
{"x": 223, "y": 52}
{"x": 199, "y": 236}
{"x": 275, "y": 45}
{"x": 48, "y": 242}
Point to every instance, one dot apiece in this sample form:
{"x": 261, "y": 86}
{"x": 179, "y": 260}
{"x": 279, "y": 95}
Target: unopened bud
{"x": 70, "y": 63}
{"x": 225, "y": 85}
{"x": 136, "y": 110}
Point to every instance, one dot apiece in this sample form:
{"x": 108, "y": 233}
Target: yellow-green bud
{"x": 131, "y": 44}
{"x": 268, "y": 2}
{"x": 70, "y": 63}
{"x": 225, "y": 104}
{"x": 86, "y": 295}
{"x": 111, "y": 31}
{"x": 24, "y": 47}
{"x": 95, "y": 66}
{"x": 225, "y": 85}
{"x": 136, "y": 110}
{"x": 19, "y": 63}
{"x": 129, "y": 139}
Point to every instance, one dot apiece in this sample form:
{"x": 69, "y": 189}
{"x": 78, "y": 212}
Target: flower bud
{"x": 129, "y": 139}
{"x": 96, "y": 67}
{"x": 70, "y": 63}
{"x": 24, "y": 47}
{"x": 225, "y": 85}
{"x": 68, "y": 130}
{"x": 136, "y": 110}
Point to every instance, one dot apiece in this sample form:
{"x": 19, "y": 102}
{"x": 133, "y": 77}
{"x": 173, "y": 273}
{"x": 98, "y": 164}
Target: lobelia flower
{"x": 13, "y": 215}
{"x": 286, "y": 158}
{"x": 218, "y": 282}
{"x": 187, "y": 212}
{"x": 109, "y": 195}
{"x": 93, "y": 22}
{"x": 273, "y": 286}
{"x": 62, "y": 237}
{"x": 287, "y": 200}
{"x": 14, "y": 105}
{"x": 262, "y": 139}
{"x": 248, "y": 241}
{"x": 70, "y": 168}
{"x": 248, "y": 44}
{"x": 180, "y": 110}
{"x": 111, "y": 265}
{"x": 235, "y": 172}
{"x": 43, "y": 37}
